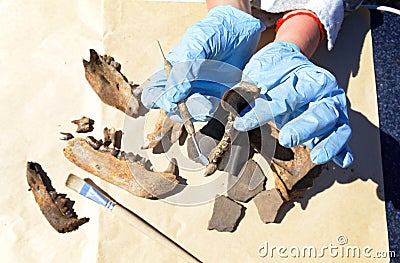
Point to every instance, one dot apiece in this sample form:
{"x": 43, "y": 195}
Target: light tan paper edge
{"x": 44, "y": 89}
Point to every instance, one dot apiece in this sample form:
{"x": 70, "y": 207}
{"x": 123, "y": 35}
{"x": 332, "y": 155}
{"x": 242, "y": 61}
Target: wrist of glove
{"x": 305, "y": 101}
{"x": 206, "y": 62}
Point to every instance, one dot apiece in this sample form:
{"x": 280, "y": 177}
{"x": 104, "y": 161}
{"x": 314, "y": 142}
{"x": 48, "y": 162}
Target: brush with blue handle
{"x": 88, "y": 189}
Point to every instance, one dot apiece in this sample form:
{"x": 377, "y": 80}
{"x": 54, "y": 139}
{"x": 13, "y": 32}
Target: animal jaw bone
{"x": 113, "y": 88}
{"x": 233, "y": 101}
{"x": 128, "y": 171}
{"x": 55, "y": 207}
{"x": 104, "y": 76}
{"x": 218, "y": 152}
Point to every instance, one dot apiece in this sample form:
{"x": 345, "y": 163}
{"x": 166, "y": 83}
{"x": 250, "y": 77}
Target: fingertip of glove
{"x": 146, "y": 99}
{"x": 319, "y": 155}
{"x": 151, "y": 99}
{"x": 289, "y": 137}
{"x": 242, "y": 124}
{"x": 345, "y": 158}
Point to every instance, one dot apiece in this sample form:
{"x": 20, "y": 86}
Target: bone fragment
{"x": 56, "y": 208}
{"x": 233, "y": 101}
{"x": 84, "y": 124}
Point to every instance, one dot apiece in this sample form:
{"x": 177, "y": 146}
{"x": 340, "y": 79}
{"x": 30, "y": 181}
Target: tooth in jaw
{"x": 127, "y": 174}
{"x": 96, "y": 144}
{"x": 108, "y": 134}
{"x": 105, "y": 77}
{"x": 66, "y": 136}
{"x": 234, "y": 101}
{"x": 222, "y": 147}
{"x": 117, "y": 139}
{"x": 56, "y": 208}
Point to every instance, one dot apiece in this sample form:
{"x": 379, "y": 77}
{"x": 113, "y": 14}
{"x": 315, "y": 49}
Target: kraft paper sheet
{"x": 43, "y": 88}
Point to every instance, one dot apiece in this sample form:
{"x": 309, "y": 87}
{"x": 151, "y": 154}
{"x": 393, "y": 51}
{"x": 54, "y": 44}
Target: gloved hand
{"x": 306, "y": 101}
{"x": 207, "y": 62}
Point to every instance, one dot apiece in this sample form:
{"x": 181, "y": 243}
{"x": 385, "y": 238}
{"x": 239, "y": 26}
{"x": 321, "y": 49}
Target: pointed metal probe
{"x": 185, "y": 115}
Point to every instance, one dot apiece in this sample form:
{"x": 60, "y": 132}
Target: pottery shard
{"x": 268, "y": 204}
{"x": 250, "y": 182}
{"x": 226, "y": 215}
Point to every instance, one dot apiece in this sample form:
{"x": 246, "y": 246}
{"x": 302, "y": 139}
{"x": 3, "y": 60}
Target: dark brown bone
{"x": 126, "y": 174}
{"x": 113, "y": 88}
{"x": 55, "y": 207}
{"x": 85, "y": 124}
{"x": 236, "y": 99}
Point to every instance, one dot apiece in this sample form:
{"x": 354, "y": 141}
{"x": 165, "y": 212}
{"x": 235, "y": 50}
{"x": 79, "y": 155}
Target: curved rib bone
{"x": 128, "y": 173}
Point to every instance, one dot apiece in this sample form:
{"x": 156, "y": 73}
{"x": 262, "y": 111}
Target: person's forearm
{"x": 300, "y": 30}
{"x": 243, "y": 5}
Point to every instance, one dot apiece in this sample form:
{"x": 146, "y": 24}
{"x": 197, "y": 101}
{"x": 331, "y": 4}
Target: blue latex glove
{"x": 207, "y": 62}
{"x": 305, "y": 101}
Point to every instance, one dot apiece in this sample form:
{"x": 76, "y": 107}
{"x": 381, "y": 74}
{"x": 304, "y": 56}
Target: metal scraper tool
{"x": 185, "y": 115}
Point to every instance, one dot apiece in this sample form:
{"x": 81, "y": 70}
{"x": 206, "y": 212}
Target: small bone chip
{"x": 226, "y": 215}
{"x": 85, "y": 124}
{"x": 57, "y": 208}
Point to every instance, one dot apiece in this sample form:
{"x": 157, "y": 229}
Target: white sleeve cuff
{"x": 329, "y": 12}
